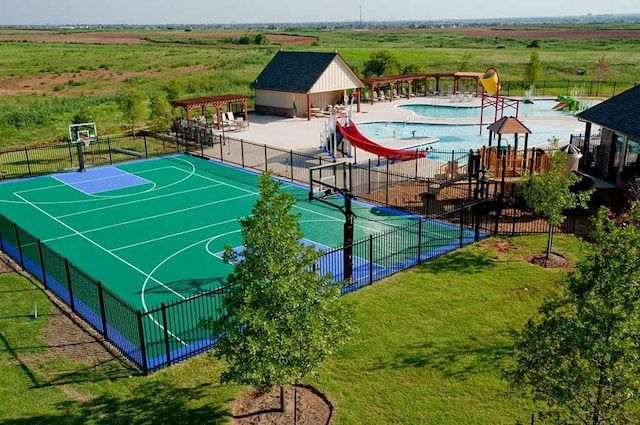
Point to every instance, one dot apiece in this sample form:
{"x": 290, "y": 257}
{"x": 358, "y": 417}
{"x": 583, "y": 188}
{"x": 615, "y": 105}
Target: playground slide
{"x": 357, "y": 139}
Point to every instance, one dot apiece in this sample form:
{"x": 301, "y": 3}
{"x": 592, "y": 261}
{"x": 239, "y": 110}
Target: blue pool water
{"x": 444, "y": 110}
{"x": 409, "y": 134}
{"x": 450, "y": 137}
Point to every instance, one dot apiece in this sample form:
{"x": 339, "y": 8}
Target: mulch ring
{"x": 555, "y": 261}
{"x": 255, "y": 407}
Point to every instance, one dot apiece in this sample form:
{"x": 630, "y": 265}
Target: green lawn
{"x": 429, "y": 349}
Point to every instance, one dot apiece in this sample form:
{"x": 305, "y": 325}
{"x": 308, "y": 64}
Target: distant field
{"x": 47, "y": 77}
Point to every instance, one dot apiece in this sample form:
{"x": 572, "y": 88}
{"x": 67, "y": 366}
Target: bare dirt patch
{"x": 257, "y": 408}
{"x": 499, "y": 245}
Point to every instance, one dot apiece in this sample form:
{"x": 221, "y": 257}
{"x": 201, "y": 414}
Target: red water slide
{"x": 357, "y": 139}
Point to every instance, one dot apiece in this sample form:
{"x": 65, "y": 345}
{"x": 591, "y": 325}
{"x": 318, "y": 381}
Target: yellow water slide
{"x": 491, "y": 81}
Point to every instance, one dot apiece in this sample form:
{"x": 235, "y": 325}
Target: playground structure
{"x": 491, "y": 98}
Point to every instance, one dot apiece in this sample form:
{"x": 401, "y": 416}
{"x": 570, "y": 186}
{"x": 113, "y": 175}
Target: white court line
{"x": 223, "y": 183}
{"x": 146, "y": 275}
{"x": 137, "y": 201}
{"x": 160, "y": 264}
{"x": 123, "y": 223}
{"x": 98, "y": 245}
{"x": 332, "y": 218}
{"x": 36, "y": 189}
{"x": 184, "y": 232}
{"x": 95, "y": 197}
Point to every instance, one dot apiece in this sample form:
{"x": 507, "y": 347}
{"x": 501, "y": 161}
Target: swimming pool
{"x": 395, "y": 134}
{"x": 445, "y": 110}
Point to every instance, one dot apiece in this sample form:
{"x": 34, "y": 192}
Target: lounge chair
{"x": 229, "y": 121}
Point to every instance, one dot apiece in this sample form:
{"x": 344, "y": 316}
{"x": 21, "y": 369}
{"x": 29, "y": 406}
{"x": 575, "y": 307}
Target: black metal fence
{"x": 581, "y": 88}
{"x": 39, "y": 160}
{"x": 170, "y": 333}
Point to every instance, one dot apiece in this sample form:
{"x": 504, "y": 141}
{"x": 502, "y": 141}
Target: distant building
{"x": 301, "y": 83}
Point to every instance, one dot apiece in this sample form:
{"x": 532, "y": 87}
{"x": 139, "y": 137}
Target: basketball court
{"x": 153, "y": 231}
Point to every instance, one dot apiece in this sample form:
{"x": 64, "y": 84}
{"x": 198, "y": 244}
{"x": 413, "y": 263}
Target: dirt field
{"x": 535, "y": 33}
{"x": 139, "y": 37}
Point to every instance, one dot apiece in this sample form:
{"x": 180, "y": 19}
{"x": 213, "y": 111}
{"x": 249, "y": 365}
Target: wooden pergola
{"x": 374, "y": 83}
{"x": 217, "y": 102}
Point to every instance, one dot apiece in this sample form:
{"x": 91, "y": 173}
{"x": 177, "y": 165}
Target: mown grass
{"x": 429, "y": 348}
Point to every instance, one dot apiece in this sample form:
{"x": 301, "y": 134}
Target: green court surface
{"x": 153, "y": 231}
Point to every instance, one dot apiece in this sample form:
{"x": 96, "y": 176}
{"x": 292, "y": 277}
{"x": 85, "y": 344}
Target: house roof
{"x": 508, "y": 125}
{"x": 619, "y": 113}
{"x": 295, "y": 72}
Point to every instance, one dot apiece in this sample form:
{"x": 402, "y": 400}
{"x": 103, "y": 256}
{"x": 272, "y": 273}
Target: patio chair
{"x": 229, "y": 121}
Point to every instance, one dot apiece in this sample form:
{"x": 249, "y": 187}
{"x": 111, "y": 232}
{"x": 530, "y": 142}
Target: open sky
{"x": 55, "y": 12}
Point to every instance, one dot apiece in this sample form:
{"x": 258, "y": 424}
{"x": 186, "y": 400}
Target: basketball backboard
{"x": 81, "y": 131}
{"x": 329, "y": 179}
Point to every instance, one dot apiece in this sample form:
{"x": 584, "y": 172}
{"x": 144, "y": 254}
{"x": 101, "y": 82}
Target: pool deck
{"x": 302, "y": 135}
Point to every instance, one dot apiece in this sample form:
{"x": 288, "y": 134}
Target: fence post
{"x": 266, "y": 160}
{"x": 386, "y": 186}
{"x": 369, "y": 177}
{"x": 109, "y": 149}
{"x": 69, "y": 286}
{"x": 143, "y": 349}
{"x": 26, "y": 156}
{"x": 146, "y": 151}
{"x": 498, "y": 213}
{"x": 462, "y": 225}
{"x": 419, "y": 241}
{"x": 222, "y": 141}
{"x": 15, "y": 227}
{"x": 166, "y": 333}
{"x": 370, "y": 259}
{"x": 70, "y": 154}
{"x": 44, "y": 271}
{"x": 242, "y": 152}
{"x": 103, "y": 314}
{"x": 291, "y": 162}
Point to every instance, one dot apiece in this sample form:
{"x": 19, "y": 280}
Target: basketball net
{"x": 84, "y": 139}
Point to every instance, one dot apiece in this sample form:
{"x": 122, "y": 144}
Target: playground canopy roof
{"x": 508, "y": 125}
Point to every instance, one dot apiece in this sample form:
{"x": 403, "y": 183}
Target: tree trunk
{"x": 549, "y": 243}
{"x": 282, "y": 398}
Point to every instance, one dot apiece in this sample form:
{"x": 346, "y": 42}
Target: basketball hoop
{"x": 84, "y": 139}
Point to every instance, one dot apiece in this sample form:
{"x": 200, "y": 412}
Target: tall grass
{"x": 80, "y": 76}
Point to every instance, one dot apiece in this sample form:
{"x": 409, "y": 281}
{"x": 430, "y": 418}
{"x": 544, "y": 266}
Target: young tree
{"x": 533, "y": 69}
{"x": 464, "y": 64}
{"x": 549, "y": 193}
{"x": 133, "y": 107}
{"x": 602, "y": 70}
{"x": 159, "y": 112}
{"x": 382, "y": 62}
{"x": 281, "y": 317}
{"x": 581, "y": 354}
